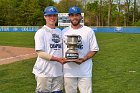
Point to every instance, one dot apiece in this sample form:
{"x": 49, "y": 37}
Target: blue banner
{"x": 18, "y": 28}
{"x": 95, "y": 29}
{"x": 117, "y": 29}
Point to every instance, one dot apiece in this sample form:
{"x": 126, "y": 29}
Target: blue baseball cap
{"x": 74, "y": 10}
{"x": 50, "y": 10}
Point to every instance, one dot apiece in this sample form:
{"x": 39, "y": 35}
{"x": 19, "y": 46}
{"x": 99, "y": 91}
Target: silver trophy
{"x": 72, "y": 42}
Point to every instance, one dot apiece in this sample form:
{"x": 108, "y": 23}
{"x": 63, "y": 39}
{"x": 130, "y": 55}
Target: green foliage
{"x": 64, "y": 5}
{"x": 136, "y": 23}
{"x": 92, "y": 6}
{"x": 7, "y": 16}
{"x": 96, "y": 13}
{"x": 44, "y": 3}
{"x": 23, "y": 12}
{"x": 30, "y": 12}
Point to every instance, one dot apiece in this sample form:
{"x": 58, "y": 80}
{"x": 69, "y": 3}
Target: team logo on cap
{"x": 74, "y": 9}
{"x": 52, "y": 9}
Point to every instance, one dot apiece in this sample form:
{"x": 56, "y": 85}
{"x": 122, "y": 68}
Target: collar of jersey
{"x": 76, "y": 29}
{"x": 50, "y": 29}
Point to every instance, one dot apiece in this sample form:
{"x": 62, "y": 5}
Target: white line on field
{"x": 17, "y": 56}
{"x": 132, "y": 71}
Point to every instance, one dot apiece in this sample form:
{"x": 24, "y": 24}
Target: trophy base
{"x": 72, "y": 55}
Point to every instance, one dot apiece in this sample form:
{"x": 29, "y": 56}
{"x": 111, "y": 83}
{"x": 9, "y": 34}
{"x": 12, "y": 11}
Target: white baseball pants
{"x": 83, "y": 84}
{"x": 49, "y": 84}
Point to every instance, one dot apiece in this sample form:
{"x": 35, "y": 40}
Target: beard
{"x": 75, "y": 23}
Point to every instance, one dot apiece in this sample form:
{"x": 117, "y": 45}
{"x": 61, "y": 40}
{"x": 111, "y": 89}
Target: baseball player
{"x": 48, "y": 46}
{"x": 78, "y": 72}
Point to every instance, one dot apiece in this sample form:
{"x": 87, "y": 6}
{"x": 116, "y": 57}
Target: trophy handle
{"x": 79, "y": 39}
{"x": 65, "y": 40}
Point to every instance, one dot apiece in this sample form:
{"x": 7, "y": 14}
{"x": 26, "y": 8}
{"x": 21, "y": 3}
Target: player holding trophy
{"x": 80, "y": 46}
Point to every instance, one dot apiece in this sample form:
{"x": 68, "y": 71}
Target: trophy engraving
{"x": 72, "y": 42}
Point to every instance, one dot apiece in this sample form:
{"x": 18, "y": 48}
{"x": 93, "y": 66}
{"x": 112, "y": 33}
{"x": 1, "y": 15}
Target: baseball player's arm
{"x": 44, "y": 55}
{"x": 49, "y": 57}
{"x": 89, "y": 55}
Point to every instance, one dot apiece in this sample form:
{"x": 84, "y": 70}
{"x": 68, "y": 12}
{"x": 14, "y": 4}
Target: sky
{"x": 56, "y": 1}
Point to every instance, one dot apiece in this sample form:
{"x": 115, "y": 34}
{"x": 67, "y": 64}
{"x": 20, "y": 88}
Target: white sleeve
{"x": 93, "y": 42}
{"x": 39, "y": 42}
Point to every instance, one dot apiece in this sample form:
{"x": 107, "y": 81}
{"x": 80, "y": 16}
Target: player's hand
{"x": 61, "y": 60}
{"x": 79, "y": 61}
{"x": 69, "y": 60}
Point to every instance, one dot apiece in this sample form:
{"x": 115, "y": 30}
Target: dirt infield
{"x": 10, "y": 54}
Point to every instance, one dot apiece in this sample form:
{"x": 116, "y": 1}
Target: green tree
{"x": 117, "y": 16}
{"x": 44, "y": 3}
{"x": 8, "y": 11}
{"x": 97, "y": 13}
{"x": 64, "y": 5}
{"x": 23, "y": 12}
{"x": 134, "y": 11}
{"x": 109, "y": 12}
{"x": 91, "y": 14}
{"x": 31, "y": 12}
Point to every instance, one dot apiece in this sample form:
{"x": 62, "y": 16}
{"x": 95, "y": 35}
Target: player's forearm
{"x": 89, "y": 55}
{"x": 53, "y": 58}
{"x": 44, "y": 55}
{"x": 47, "y": 56}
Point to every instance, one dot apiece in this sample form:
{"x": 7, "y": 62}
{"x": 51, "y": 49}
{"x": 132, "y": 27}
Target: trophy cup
{"x": 72, "y": 42}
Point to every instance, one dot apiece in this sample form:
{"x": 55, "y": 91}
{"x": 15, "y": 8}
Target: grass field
{"x": 116, "y": 67}
{"x": 20, "y": 39}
